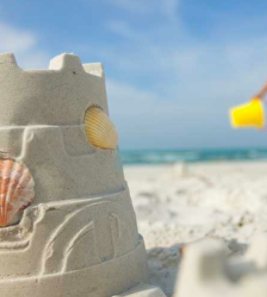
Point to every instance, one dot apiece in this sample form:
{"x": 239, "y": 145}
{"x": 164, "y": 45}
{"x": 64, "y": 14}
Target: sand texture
{"x": 225, "y": 203}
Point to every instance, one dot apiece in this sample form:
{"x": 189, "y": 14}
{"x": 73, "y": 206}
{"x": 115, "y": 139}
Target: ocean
{"x": 150, "y": 157}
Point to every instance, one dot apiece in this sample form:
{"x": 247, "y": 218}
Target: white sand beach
{"x": 182, "y": 203}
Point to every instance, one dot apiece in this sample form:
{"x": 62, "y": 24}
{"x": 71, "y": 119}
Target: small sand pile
{"x": 184, "y": 203}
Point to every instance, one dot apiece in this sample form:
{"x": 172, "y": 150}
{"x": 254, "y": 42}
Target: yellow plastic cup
{"x": 248, "y": 115}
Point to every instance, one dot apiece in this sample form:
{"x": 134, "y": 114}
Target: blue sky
{"x": 173, "y": 67}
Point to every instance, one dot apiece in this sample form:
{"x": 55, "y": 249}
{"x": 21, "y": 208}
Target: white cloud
{"x": 171, "y": 8}
{"x": 133, "y": 6}
{"x": 24, "y": 44}
{"x": 34, "y": 59}
{"x": 124, "y": 30}
{"x": 144, "y": 7}
{"x": 14, "y": 39}
{"x": 195, "y": 83}
{"x": 144, "y": 119}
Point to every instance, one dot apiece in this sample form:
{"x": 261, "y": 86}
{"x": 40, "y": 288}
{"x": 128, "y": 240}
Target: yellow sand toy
{"x": 248, "y": 115}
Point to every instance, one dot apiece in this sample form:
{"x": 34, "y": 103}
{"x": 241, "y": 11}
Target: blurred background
{"x": 173, "y": 67}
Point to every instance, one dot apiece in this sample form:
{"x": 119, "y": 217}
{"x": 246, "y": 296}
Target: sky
{"x": 173, "y": 67}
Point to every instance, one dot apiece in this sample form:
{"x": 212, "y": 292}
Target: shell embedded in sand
{"x": 99, "y": 129}
{"x": 16, "y": 190}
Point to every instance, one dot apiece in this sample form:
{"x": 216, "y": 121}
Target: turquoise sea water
{"x": 132, "y": 157}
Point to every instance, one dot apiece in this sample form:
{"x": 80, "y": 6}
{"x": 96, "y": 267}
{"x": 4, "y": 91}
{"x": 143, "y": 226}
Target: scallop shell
{"x": 99, "y": 129}
{"x": 16, "y": 190}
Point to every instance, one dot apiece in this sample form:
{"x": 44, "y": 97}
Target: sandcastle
{"x": 68, "y": 224}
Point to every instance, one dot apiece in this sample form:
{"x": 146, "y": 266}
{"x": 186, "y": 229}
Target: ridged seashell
{"x": 99, "y": 129}
{"x": 16, "y": 190}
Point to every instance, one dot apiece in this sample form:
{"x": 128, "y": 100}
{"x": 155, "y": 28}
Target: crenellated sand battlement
{"x": 57, "y": 96}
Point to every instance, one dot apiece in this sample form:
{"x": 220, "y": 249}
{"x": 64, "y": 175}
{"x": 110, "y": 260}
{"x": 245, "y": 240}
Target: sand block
{"x": 143, "y": 290}
{"x": 207, "y": 271}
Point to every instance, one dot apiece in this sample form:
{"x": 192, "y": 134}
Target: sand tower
{"x": 68, "y": 228}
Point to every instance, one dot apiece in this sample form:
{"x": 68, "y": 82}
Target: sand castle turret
{"x": 68, "y": 225}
